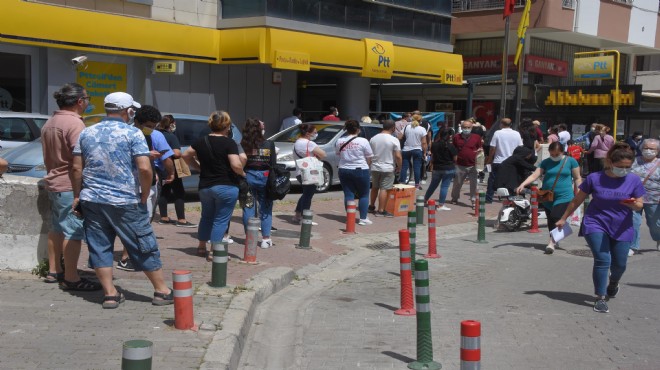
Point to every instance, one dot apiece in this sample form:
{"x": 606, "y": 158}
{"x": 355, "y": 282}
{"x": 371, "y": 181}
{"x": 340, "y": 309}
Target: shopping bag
{"x": 311, "y": 171}
{"x": 576, "y": 218}
{"x": 182, "y": 169}
{"x": 480, "y": 160}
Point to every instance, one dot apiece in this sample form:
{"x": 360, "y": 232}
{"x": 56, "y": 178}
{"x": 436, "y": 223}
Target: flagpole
{"x": 505, "y": 67}
{"x": 519, "y": 88}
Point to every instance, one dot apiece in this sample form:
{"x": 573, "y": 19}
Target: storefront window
{"x": 15, "y": 93}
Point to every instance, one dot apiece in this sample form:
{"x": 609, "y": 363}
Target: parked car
{"x": 329, "y": 133}
{"x": 17, "y": 128}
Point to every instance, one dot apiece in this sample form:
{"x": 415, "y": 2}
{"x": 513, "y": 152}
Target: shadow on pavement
{"x": 397, "y": 356}
{"x": 570, "y": 297}
{"x": 97, "y": 296}
{"x": 334, "y": 217}
{"x": 647, "y": 286}
{"x": 386, "y": 306}
{"x": 537, "y": 246}
{"x": 394, "y": 273}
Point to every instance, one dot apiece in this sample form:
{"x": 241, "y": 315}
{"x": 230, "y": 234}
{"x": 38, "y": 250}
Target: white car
{"x": 17, "y": 128}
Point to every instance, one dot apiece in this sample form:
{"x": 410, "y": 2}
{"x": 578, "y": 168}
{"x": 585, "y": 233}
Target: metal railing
{"x": 470, "y": 5}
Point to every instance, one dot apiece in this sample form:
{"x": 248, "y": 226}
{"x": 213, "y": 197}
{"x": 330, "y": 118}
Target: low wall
{"x": 24, "y": 222}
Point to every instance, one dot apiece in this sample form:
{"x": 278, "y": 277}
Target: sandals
{"x": 162, "y": 299}
{"x": 113, "y": 301}
{"x": 54, "y": 277}
{"x": 83, "y": 285}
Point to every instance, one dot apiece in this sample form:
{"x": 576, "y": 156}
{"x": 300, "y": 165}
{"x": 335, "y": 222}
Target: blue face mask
{"x": 557, "y": 158}
{"x": 620, "y": 171}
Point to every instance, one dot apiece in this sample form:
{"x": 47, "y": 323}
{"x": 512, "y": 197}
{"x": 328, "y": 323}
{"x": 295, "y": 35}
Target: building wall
{"x": 643, "y": 23}
{"x": 587, "y": 16}
{"x": 614, "y": 21}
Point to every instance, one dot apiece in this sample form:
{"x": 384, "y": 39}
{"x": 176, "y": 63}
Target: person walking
{"x": 355, "y": 155}
{"x": 261, "y": 159}
{"x": 635, "y": 142}
{"x": 306, "y": 147}
{"x": 561, "y": 176}
{"x": 600, "y": 146}
{"x": 468, "y": 145}
{"x": 502, "y": 144}
{"x": 333, "y": 115}
{"x": 563, "y": 135}
{"x": 220, "y": 171}
{"x": 646, "y": 167}
{"x": 553, "y": 134}
{"x": 384, "y": 164}
{"x": 59, "y": 136}
{"x": 293, "y": 120}
{"x": 413, "y": 149}
{"x": 607, "y": 222}
{"x": 110, "y": 163}
{"x": 443, "y": 157}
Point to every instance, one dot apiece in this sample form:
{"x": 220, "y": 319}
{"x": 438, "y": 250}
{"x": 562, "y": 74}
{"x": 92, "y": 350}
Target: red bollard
{"x": 250, "y": 253}
{"x": 535, "y": 212}
{"x": 350, "y": 217}
{"x": 476, "y": 207}
{"x": 432, "y": 253}
{"x": 407, "y": 304}
{"x": 470, "y": 345}
{"x": 183, "y": 299}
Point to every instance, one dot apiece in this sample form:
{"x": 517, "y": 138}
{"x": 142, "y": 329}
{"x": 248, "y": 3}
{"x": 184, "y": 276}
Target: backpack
{"x": 279, "y": 183}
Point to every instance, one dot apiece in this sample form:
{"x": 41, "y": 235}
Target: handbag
{"x": 311, "y": 169}
{"x": 402, "y": 141}
{"x": 278, "y": 184}
{"x": 181, "y": 167}
{"x": 545, "y": 196}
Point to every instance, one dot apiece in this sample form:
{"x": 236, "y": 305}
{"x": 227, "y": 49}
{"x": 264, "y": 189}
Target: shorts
{"x": 130, "y": 222}
{"x": 382, "y": 180}
{"x": 62, "y": 218}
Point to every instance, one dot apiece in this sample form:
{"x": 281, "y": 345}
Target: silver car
{"x": 18, "y": 128}
{"x": 329, "y": 133}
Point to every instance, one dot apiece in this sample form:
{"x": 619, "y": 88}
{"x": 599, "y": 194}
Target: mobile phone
{"x": 78, "y": 209}
{"x": 628, "y": 201}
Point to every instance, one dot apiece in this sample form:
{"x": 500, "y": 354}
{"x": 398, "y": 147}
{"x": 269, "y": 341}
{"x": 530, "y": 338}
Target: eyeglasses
{"x": 85, "y": 98}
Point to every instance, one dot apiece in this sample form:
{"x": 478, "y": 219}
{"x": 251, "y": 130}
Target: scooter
{"x": 516, "y": 210}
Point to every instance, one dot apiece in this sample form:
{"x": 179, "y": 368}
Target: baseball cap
{"x": 119, "y": 101}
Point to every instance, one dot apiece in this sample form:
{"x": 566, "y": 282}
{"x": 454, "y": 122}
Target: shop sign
{"x": 580, "y": 98}
{"x": 452, "y": 77}
{"x": 546, "y": 66}
{"x": 168, "y": 66}
{"x": 291, "y": 60}
{"x": 101, "y": 79}
{"x": 486, "y": 65}
{"x": 379, "y": 59}
{"x": 593, "y": 68}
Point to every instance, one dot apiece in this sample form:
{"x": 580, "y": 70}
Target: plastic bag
{"x": 576, "y": 218}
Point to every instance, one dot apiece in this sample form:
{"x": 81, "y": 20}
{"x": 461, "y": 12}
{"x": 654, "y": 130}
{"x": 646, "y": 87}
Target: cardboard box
{"x": 400, "y": 200}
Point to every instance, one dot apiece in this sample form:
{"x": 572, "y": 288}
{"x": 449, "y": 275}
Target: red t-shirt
{"x": 467, "y": 149}
{"x": 575, "y": 151}
{"x": 331, "y": 117}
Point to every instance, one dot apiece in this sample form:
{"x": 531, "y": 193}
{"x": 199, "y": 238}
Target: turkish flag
{"x": 508, "y": 7}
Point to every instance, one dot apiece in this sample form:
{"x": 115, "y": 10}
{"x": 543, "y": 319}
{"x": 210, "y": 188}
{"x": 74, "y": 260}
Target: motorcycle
{"x": 516, "y": 210}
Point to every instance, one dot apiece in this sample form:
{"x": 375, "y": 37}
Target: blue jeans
{"x": 305, "y": 200}
{"x": 417, "y": 161}
{"x": 218, "y": 204}
{"x": 62, "y": 218}
{"x": 490, "y": 189}
{"x": 609, "y": 254}
{"x": 258, "y": 181}
{"x": 355, "y": 183}
{"x": 652, "y": 214}
{"x": 443, "y": 177}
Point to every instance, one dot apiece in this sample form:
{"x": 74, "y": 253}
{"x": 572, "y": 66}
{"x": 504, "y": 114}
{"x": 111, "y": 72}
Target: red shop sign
{"x": 546, "y": 66}
{"x": 485, "y": 65}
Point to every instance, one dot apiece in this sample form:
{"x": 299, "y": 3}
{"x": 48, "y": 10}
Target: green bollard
{"x": 219, "y": 267}
{"x": 481, "y": 231}
{"x": 420, "y": 209}
{"x": 423, "y": 303}
{"x": 306, "y": 229}
{"x": 137, "y": 355}
{"x": 412, "y": 229}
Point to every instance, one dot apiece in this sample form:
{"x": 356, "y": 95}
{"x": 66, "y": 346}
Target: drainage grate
{"x": 581, "y": 252}
{"x": 380, "y": 246}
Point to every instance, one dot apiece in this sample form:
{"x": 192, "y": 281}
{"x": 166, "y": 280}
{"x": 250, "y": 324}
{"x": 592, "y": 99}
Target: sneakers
{"x": 185, "y": 224}
{"x": 166, "y": 222}
{"x": 612, "y": 289}
{"x": 601, "y": 306}
{"x": 372, "y": 209}
{"x": 550, "y": 249}
{"x": 383, "y": 214}
{"x": 266, "y": 243}
{"x": 419, "y": 186}
{"x": 126, "y": 265}
{"x": 631, "y": 252}
{"x": 423, "y": 182}
{"x": 299, "y": 222}
{"x": 443, "y": 208}
{"x": 365, "y": 221}
{"x": 227, "y": 239}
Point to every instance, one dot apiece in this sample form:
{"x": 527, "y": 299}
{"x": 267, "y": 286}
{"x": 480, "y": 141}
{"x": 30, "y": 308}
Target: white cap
{"x": 119, "y": 101}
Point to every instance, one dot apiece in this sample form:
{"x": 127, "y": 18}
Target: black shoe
{"x": 126, "y": 265}
{"x": 168, "y": 222}
{"x": 601, "y": 306}
{"x": 371, "y": 209}
{"x": 612, "y": 289}
{"x": 185, "y": 224}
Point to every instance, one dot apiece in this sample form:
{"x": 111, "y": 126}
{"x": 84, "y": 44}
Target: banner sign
{"x": 546, "y": 66}
{"x": 379, "y": 59}
{"x": 590, "y": 98}
{"x": 101, "y": 79}
{"x": 593, "y": 68}
{"x": 291, "y": 60}
{"x": 486, "y": 65}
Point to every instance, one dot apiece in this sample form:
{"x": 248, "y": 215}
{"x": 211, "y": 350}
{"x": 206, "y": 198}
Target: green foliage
{"x": 41, "y": 269}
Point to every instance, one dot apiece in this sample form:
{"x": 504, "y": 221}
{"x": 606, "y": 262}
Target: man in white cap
{"x": 111, "y": 181}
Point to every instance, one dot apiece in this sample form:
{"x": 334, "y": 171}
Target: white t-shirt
{"x": 505, "y": 141}
{"x": 355, "y": 154}
{"x": 290, "y": 122}
{"x": 414, "y": 137}
{"x": 301, "y": 147}
{"x": 383, "y": 146}
{"x": 564, "y": 137}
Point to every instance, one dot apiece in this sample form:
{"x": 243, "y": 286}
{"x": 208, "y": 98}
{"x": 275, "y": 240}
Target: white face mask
{"x": 557, "y": 158}
{"x": 620, "y": 171}
{"x": 263, "y": 132}
{"x": 649, "y": 153}
{"x": 314, "y": 136}
{"x": 466, "y": 131}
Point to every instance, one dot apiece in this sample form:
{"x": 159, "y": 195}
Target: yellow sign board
{"x": 593, "y": 68}
{"x": 452, "y": 77}
{"x": 291, "y": 60}
{"x": 379, "y": 59}
{"x": 168, "y": 66}
{"x": 101, "y": 79}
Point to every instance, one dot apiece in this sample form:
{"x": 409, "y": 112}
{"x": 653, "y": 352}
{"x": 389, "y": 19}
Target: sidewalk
{"x": 44, "y": 327}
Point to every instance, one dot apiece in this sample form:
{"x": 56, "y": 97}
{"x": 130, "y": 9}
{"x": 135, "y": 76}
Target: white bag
{"x": 576, "y": 218}
{"x": 480, "y": 160}
{"x": 311, "y": 171}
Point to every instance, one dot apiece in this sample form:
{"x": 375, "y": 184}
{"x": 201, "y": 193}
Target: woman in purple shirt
{"x": 607, "y": 223}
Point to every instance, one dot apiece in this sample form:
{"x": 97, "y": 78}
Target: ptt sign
{"x": 593, "y": 68}
{"x": 383, "y": 61}
{"x": 379, "y": 57}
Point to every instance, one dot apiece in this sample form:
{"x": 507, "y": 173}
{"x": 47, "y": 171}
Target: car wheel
{"x": 327, "y": 179}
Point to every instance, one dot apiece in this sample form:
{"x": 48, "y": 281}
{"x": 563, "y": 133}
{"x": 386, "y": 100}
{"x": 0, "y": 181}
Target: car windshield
{"x": 326, "y": 133}
{"x": 40, "y": 122}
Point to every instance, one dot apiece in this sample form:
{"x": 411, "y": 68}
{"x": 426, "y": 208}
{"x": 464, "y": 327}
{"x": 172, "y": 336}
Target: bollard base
{"x": 534, "y": 231}
{"x": 348, "y": 232}
{"x": 405, "y": 312}
{"x": 432, "y": 255}
{"x": 424, "y": 365}
{"x": 243, "y": 262}
{"x": 298, "y": 246}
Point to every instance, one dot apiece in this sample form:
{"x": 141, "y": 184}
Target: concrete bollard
{"x": 481, "y": 231}
{"x": 183, "y": 299}
{"x": 251, "y": 240}
{"x": 350, "y": 217}
{"x": 420, "y": 209}
{"x": 306, "y": 229}
{"x": 412, "y": 229}
{"x": 535, "y": 211}
{"x": 470, "y": 345}
{"x": 219, "y": 267}
{"x": 407, "y": 304}
{"x": 137, "y": 355}
{"x": 424, "y": 338}
{"x": 432, "y": 252}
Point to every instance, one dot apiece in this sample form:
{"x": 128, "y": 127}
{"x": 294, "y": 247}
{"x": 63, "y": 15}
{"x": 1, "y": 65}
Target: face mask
{"x": 263, "y": 132}
{"x": 172, "y": 128}
{"x": 314, "y": 136}
{"x": 593, "y": 129}
{"x": 466, "y": 131}
{"x": 620, "y": 172}
{"x": 638, "y": 138}
{"x": 557, "y": 159}
{"x": 649, "y": 153}
{"x": 147, "y": 131}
